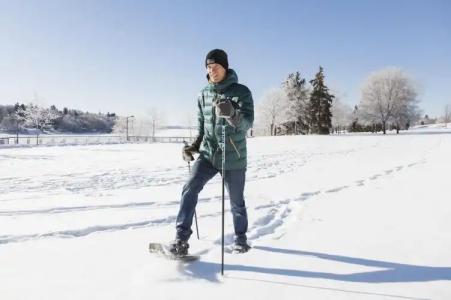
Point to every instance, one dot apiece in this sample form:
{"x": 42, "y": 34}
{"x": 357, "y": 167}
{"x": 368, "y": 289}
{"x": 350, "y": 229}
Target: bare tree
{"x": 120, "y": 125}
{"x": 36, "y": 117}
{"x": 156, "y": 119}
{"x": 407, "y": 113}
{"x": 406, "y": 110}
{"x": 190, "y": 121}
{"x": 342, "y": 115}
{"x": 273, "y": 110}
{"x": 388, "y": 94}
{"x": 447, "y": 115}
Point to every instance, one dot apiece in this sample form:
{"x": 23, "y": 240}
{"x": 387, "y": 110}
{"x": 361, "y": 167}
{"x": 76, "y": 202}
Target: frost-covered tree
{"x": 120, "y": 125}
{"x": 139, "y": 125}
{"x": 190, "y": 122}
{"x": 342, "y": 115}
{"x": 320, "y": 104}
{"x": 298, "y": 97}
{"x": 125, "y": 125}
{"x": 36, "y": 117}
{"x": 407, "y": 112}
{"x": 12, "y": 119}
{"x": 77, "y": 121}
{"x": 272, "y": 110}
{"x": 156, "y": 118}
{"x": 388, "y": 95}
{"x": 447, "y": 115}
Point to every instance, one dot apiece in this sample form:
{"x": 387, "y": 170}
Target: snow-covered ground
{"x": 331, "y": 217}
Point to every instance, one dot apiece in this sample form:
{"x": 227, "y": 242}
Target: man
{"x": 222, "y": 102}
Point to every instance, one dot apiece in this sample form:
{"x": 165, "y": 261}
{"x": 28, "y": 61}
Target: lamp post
{"x": 17, "y": 131}
{"x": 126, "y": 118}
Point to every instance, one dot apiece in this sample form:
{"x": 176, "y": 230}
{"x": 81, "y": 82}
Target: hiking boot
{"x": 241, "y": 247}
{"x": 179, "y": 247}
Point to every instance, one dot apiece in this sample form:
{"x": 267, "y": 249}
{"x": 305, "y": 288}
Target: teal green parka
{"x": 210, "y": 127}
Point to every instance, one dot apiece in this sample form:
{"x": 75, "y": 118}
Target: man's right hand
{"x": 187, "y": 152}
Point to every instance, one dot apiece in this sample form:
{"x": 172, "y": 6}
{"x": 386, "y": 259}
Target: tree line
{"x": 389, "y": 100}
{"x": 20, "y": 118}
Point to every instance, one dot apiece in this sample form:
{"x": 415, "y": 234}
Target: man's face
{"x": 216, "y": 72}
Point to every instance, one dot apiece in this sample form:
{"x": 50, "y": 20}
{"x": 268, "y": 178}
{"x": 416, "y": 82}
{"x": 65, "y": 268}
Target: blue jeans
{"x": 201, "y": 172}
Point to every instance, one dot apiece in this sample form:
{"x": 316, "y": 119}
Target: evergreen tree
{"x": 320, "y": 115}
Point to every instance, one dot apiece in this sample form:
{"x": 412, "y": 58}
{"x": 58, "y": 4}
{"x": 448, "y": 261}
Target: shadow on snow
{"x": 393, "y": 272}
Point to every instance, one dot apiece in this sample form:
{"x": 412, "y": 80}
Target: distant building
{"x": 426, "y": 120}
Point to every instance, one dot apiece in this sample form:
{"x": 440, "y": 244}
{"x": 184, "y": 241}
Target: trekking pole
{"x": 195, "y": 214}
{"x": 223, "y": 200}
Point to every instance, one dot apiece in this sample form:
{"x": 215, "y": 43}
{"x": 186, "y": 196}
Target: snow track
{"x": 269, "y": 218}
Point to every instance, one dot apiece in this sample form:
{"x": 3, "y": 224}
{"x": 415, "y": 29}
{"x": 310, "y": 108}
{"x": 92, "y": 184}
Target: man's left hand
{"x": 224, "y": 109}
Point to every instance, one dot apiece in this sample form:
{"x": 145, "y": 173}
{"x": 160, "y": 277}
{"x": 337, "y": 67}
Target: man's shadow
{"x": 392, "y": 272}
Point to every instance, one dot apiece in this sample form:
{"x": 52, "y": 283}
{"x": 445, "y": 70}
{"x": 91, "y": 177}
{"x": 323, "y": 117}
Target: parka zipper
{"x": 234, "y": 147}
{"x": 213, "y": 120}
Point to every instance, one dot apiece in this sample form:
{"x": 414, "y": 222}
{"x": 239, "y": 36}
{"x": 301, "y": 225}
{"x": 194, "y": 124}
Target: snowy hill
{"x": 331, "y": 217}
{"x": 432, "y": 128}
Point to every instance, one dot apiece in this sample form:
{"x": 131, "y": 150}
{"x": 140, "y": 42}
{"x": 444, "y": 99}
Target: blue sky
{"x": 129, "y": 56}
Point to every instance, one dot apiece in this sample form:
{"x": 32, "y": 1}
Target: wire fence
{"x": 88, "y": 140}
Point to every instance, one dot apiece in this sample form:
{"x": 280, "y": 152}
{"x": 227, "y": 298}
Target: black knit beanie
{"x": 217, "y": 56}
